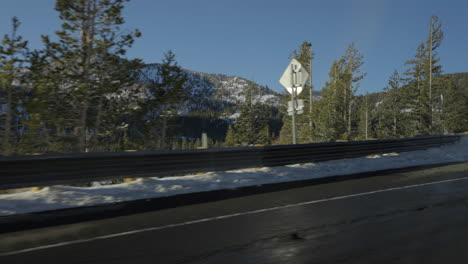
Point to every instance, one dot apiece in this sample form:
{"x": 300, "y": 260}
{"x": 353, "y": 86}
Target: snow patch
{"x": 60, "y": 197}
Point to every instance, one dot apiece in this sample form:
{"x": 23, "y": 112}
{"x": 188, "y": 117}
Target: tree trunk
{"x": 82, "y": 126}
{"x": 87, "y": 39}
{"x": 349, "y": 119}
{"x": 97, "y": 127}
{"x": 310, "y": 99}
{"x": 163, "y": 136}
{"x": 367, "y": 136}
{"x": 430, "y": 76}
{"x": 345, "y": 104}
{"x": 8, "y": 117}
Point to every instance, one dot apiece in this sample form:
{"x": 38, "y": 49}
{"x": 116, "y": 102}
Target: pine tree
{"x": 391, "y": 115}
{"x": 434, "y": 71}
{"x": 415, "y": 96}
{"x": 251, "y": 120}
{"x": 335, "y": 113}
{"x": 165, "y": 93}
{"x": 329, "y": 110}
{"x": 90, "y": 35}
{"x": 230, "y": 140}
{"x": 424, "y": 88}
{"x": 454, "y": 108}
{"x": 352, "y": 78}
{"x": 325, "y": 114}
{"x": 13, "y": 52}
{"x": 363, "y": 130}
{"x": 49, "y": 107}
{"x": 305, "y": 55}
{"x": 117, "y": 103}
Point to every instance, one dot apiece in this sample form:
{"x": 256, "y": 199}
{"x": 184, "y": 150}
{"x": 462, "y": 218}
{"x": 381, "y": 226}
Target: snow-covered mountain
{"x": 218, "y": 92}
{"x": 231, "y": 89}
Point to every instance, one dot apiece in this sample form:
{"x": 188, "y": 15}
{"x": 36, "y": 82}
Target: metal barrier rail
{"x": 27, "y": 171}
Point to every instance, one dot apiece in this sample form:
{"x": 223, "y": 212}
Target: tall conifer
{"x": 89, "y": 35}
{"x": 13, "y": 53}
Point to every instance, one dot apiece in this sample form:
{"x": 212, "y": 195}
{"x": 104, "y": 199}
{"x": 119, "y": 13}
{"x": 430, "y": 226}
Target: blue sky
{"x": 253, "y": 38}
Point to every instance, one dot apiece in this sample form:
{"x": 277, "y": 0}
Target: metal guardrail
{"x": 27, "y": 171}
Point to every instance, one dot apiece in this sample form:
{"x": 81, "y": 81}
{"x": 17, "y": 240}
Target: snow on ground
{"x": 59, "y": 197}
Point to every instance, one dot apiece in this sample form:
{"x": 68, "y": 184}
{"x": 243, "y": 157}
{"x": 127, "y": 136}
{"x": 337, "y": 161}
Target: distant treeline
{"x": 420, "y": 101}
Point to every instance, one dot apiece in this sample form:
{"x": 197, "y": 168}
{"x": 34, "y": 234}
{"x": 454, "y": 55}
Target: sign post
{"x": 293, "y": 79}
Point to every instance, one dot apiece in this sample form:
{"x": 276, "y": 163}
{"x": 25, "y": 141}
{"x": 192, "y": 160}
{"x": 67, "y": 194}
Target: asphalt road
{"x": 409, "y": 217}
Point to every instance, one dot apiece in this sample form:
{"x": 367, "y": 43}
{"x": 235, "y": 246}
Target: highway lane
{"x": 419, "y": 216}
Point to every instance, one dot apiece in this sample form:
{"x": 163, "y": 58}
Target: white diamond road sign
{"x": 295, "y": 76}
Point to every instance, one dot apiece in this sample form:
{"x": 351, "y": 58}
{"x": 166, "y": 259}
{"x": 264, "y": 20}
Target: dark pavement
{"x": 409, "y": 217}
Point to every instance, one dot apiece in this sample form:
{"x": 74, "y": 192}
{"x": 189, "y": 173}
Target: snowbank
{"x": 59, "y": 197}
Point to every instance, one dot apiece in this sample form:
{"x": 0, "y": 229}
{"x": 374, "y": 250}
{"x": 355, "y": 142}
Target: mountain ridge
{"x": 222, "y": 90}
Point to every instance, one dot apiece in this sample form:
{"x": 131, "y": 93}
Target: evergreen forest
{"x": 81, "y": 94}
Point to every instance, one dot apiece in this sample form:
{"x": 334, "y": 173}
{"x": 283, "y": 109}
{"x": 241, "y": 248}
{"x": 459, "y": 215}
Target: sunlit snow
{"x": 59, "y": 197}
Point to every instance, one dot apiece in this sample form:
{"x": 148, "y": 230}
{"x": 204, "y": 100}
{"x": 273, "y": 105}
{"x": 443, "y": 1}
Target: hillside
{"x": 213, "y": 103}
{"x": 216, "y": 92}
